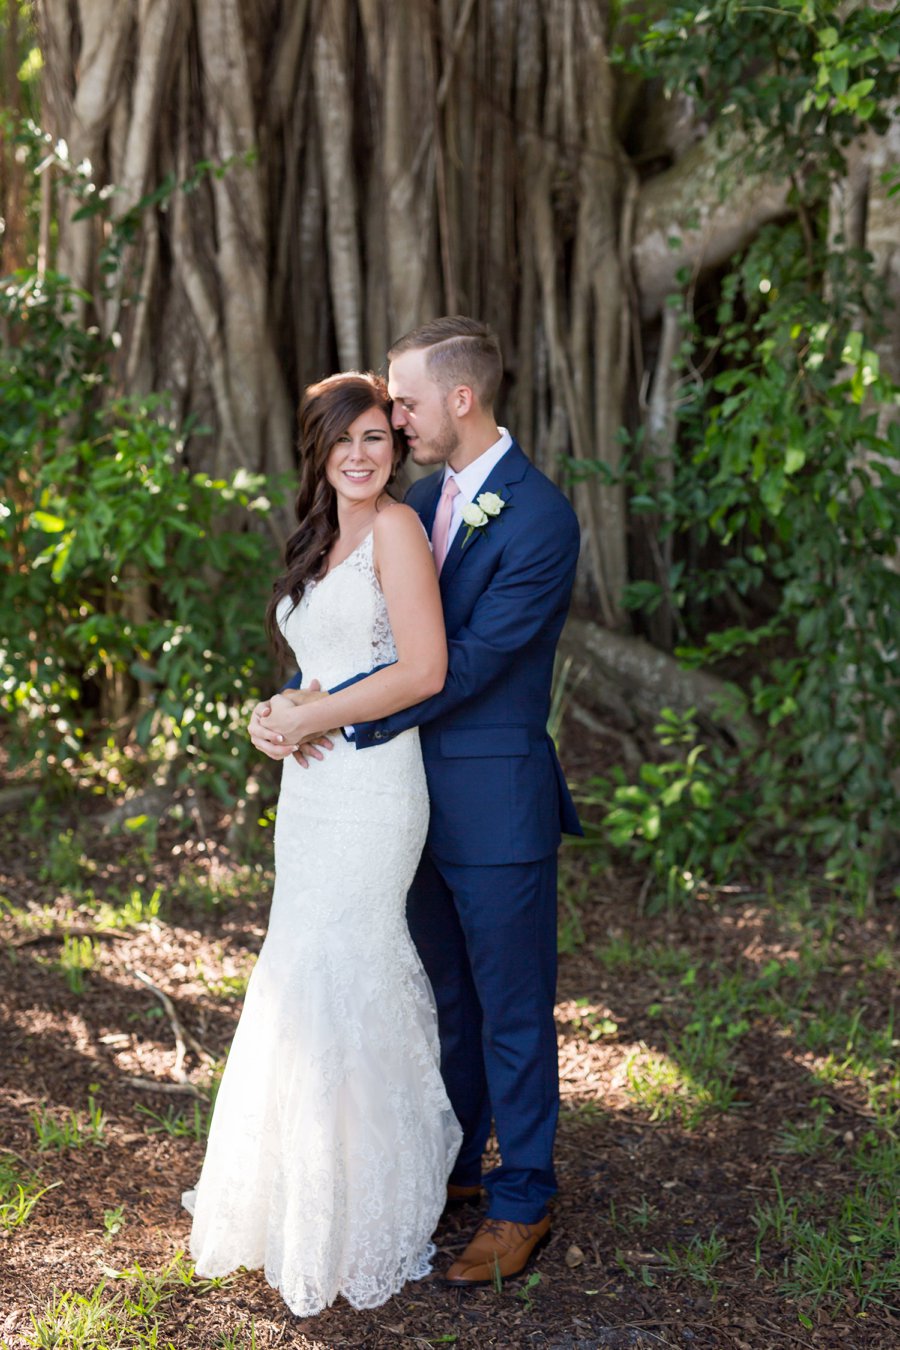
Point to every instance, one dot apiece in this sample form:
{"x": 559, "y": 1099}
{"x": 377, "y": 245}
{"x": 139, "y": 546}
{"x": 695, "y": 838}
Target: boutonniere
{"x": 478, "y": 515}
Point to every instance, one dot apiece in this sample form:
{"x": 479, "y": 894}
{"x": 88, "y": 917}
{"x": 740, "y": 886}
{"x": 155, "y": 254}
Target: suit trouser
{"x": 487, "y": 939}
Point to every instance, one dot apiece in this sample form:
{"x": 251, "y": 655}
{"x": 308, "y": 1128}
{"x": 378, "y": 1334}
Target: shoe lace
{"x": 497, "y": 1228}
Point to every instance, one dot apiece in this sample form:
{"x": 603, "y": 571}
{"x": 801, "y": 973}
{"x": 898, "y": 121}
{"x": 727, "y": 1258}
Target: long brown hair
{"x": 326, "y": 411}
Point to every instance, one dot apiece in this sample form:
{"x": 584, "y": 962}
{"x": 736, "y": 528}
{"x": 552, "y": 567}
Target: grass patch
{"x": 227, "y": 986}
{"x": 132, "y": 910}
{"x": 697, "y": 1260}
{"x": 623, "y": 953}
{"x": 807, "y": 1138}
{"x": 65, "y": 864}
{"x": 110, "y": 1316}
{"x": 72, "y": 1131}
{"x": 179, "y": 1123}
{"x": 241, "y": 1338}
{"x": 832, "y": 1252}
{"x": 670, "y": 1090}
{"x": 206, "y": 890}
{"x": 19, "y": 1193}
{"x": 77, "y": 957}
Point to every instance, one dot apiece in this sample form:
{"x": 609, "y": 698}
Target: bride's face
{"x": 359, "y": 463}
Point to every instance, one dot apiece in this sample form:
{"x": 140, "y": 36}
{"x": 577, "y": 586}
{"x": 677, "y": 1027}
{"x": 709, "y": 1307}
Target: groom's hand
{"x": 275, "y": 744}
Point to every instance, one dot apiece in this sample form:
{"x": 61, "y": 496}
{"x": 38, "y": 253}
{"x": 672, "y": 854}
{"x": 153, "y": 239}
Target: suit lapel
{"x": 508, "y": 471}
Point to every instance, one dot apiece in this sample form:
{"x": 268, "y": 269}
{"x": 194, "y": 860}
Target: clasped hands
{"x": 285, "y": 725}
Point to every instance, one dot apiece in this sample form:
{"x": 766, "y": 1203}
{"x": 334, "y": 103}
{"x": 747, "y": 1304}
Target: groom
{"x": 482, "y": 908}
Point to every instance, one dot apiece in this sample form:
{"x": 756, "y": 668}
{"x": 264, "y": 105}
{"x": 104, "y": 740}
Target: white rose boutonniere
{"x": 478, "y": 515}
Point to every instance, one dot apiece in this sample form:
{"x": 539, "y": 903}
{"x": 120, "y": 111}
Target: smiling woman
{"x": 345, "y": 434}
{"x": 333, "y": 1137}
{"x": 361, "y": 463}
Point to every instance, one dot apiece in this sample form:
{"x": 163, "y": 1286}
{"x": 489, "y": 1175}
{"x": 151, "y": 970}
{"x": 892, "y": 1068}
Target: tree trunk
{"x": 341, "y": 170}
{"x": 629, "y": 681}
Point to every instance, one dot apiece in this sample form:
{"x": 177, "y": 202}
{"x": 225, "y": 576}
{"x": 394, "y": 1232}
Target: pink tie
{"x": 440, "y": 532}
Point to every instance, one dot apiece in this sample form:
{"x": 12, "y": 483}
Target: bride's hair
{"x": 326, "y": 411}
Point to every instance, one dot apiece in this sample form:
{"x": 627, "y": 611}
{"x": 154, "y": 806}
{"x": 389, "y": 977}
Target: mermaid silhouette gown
{"x": 332, "y": 1136}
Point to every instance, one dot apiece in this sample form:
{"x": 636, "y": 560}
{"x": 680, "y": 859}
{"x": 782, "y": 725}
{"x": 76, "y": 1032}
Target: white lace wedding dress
{"x": 332, "y": 1136}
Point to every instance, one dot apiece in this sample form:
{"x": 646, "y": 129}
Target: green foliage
{"x": 801, "y": 77}
{"x": 697, "y": 1259}
{"x": 131, "y": 912}
{"x": 74, "y": 1131}
{"x": 679, "y": 818}
{"x": 64, "y": 864}
{"x": 78, "y": 956}
{"x": 527, "y": 1292}
{"x": 179, "y": 1124}
{"x": 791, "y": 467}
{"x": 242, "y": 1338}
{"x": 686, "y": 1086}
{"x": 108, "y": 1317}
{"x": 127, "y": 581}
{"x": 786, "y": 478}
{"x": 113, "y": 1221}
{"x": 835, "y": 1247}
{"x": 19, "y": 1193}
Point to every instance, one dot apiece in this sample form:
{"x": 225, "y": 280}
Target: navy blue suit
{"x": 482, "y": 908}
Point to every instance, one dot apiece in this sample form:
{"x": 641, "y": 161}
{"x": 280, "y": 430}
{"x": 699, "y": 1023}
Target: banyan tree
{"x": 293, "y": 183}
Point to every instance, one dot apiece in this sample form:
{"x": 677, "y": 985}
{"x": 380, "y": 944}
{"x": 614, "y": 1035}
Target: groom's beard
{"x": 440, "y": 449}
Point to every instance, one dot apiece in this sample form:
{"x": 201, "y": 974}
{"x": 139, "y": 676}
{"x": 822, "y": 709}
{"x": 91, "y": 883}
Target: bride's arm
{"x": 406, "y": 571}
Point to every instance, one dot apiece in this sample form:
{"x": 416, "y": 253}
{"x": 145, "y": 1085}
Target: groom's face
{"x": 420, "y": 410}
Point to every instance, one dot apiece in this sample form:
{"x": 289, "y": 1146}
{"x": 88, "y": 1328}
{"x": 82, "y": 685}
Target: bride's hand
{"x": 278, "y": 744}
{"x": 290, "y": 716}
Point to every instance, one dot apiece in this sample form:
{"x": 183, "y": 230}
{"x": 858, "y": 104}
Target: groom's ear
{"x": 461, "y": 400}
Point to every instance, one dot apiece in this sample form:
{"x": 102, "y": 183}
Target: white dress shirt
{"x": 473, "y": 477}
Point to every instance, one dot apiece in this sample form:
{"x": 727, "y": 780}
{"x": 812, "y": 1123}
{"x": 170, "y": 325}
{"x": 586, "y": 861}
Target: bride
{"x": 332, "y": 1137}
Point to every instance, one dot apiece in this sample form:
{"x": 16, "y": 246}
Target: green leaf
{"x": 48, "y": 523}
{"x": 673, "y": 792}
{"x": 651, "y": 821}
{"x": 60, "y": 562}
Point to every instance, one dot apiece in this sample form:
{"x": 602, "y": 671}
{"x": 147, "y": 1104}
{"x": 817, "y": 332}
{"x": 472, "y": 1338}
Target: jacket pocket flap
{"x": 480, "y": 742}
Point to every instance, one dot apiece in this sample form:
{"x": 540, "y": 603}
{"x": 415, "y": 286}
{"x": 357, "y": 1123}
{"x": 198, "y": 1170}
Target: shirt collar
{"x": 471, "y": 478}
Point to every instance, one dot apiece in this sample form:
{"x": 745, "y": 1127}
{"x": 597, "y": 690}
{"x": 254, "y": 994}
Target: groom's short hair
{"x": 458, "y": 350}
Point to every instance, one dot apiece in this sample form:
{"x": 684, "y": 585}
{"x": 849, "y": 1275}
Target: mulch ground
{"x": 601, "y": 1279}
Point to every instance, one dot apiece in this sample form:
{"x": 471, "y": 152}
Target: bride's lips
{"x": 358, "y": 475}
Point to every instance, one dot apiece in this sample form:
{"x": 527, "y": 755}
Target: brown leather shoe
{"x": 457, "y": 1196}
{"x": 499, "y": 1249}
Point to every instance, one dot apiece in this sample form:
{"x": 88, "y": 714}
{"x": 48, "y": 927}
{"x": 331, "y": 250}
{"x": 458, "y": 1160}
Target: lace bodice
{"x": 341, "y": 626}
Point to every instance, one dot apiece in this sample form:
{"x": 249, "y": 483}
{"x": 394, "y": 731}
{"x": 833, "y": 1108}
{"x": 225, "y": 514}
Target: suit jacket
{"x": 498, "y": 794}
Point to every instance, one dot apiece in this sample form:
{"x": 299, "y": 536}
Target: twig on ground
{"x": 152, "y": 1085}
{"x": 778, "y": 1331}
{"x": 642, "y": 897}
{"x": 183, "y": 1038}
{"x": 70, "y": 930}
